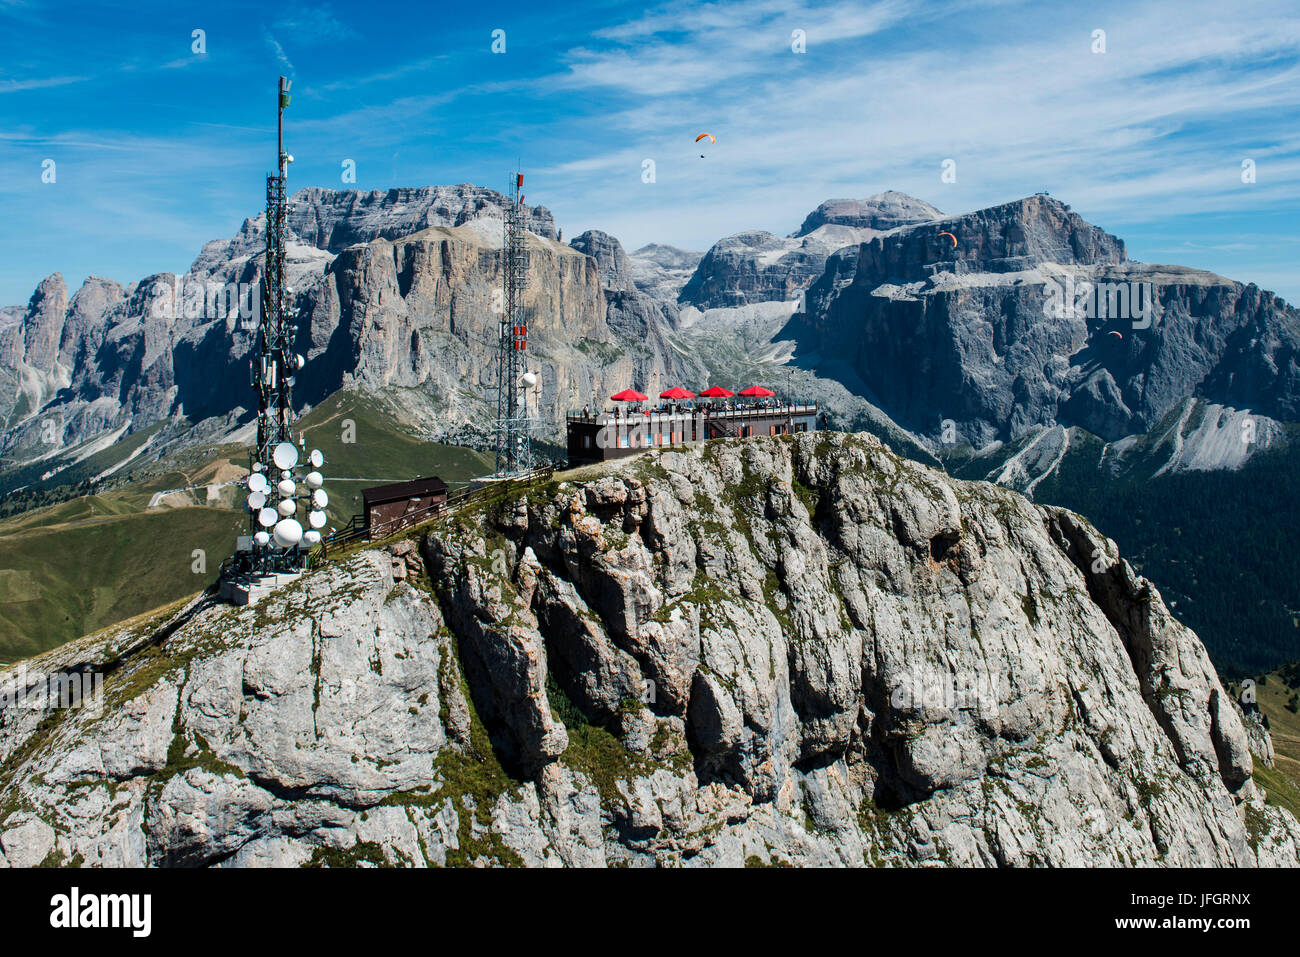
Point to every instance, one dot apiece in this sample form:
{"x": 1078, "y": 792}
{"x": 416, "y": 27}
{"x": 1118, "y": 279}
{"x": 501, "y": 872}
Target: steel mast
{"x": 274, "y": 362}
{"x": 514, "y": 450}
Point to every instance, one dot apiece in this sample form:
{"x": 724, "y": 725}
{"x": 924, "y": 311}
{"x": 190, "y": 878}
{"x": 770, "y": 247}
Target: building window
{"x": 801, "y": 426}
{"x": 586, "y": 441}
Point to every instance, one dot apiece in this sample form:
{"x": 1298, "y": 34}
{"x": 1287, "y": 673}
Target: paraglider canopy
{"x": 677, "y": 392}
{"x": 717, "y": 392}
{"x": 628, "y": 395}
{"x": 758, "y": 391}
{"x": 710, "y": 136}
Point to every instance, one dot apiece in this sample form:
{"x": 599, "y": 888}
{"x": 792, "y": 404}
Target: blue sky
{"x": 158, "y": 149}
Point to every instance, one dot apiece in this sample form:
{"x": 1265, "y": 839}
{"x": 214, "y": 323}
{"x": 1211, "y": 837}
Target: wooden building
{"x": 390, "y": 508}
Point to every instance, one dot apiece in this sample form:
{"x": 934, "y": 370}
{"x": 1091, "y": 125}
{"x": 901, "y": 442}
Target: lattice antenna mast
{"x": 274, "y": 362}
{"x": 514, "y": 451}
{"x": 273, "y": 366}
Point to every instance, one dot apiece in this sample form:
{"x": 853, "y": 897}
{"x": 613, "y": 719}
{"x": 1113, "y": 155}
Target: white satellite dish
{"x": 299, "y": 361}
{"x": 287, "y": 507}
{"x": 261, "y": 538}
{"x": 316, "y": 458}
{"x": 267, "y": 517}
{"x": 285, "y": 455}
{"x": 316, "y": 519}
{"x": 529, "y": 379}
{"x": 257, "y": 466}
{"x": 287, "y": 533}
{"x": 315, "y": 480}
{"x": 311, "y": 536}
{"x": 257, "y": 501}
{"x": 257, "y": 482}
{"x": 286, "y": 488}
{"x": 319, "y": 498}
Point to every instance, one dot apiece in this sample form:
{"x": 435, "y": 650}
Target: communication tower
{"x": 277, "y": 542}
{"x": 514, "y": 425}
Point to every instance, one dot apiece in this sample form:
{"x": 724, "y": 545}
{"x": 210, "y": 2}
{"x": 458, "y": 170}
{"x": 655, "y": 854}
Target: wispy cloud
{"x": 280, "y": 56}
{"x": 38, "y": 83}
{"x": 1146, "y": 139}
{"x": 309, "y": 24}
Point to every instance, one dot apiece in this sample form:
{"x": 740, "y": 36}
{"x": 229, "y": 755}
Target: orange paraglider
{"x": 711, "y": 138}
{"x": 954, "y": 239}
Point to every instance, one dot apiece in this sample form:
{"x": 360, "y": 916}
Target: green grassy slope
{"x": 83, "y": 571}
{"x": 94, "y": 560}
{"x": 382, "y": 450}
{"x": 1277, "y": 693}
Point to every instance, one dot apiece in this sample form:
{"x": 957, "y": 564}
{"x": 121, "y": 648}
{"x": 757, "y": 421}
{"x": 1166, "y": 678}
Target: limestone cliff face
{"x": 804, "y": 650}
{"x": 394, "y": 291}
{"x": 969, "y": 332}
{"x": 757, "y": 266}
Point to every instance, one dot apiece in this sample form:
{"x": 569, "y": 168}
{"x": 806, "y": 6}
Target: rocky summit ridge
{"x": 898, "y": 319}
{"x": 798, "y": 650}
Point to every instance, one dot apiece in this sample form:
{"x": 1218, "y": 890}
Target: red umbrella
{"x": 717, "y": 392}
{"x": 677, "y": 392}
{"x": 629, "y": 395}
{"x": 759, "y": 392}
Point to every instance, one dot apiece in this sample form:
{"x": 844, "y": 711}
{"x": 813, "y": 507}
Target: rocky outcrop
{"x": 661, "y": 271}
{"x": 882, "y": 212}
{"x": 414, "y": 311}
{"x": 612, "y": 261}
{"x": 801, "y": 650}
{"x": 757, "y": 266}
{"x": 979, "y": 333}
{"x": 335, "y": 219}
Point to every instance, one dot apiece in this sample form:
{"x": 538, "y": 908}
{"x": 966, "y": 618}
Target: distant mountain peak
{"x": 887, "y": 210}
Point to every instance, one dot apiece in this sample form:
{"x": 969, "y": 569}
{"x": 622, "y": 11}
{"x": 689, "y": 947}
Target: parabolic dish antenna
{"x": 315, "y": 480}
{"x": 311, "y": 536}
{"x": 257, "y": 501}
{"x": 287, "y": 507}
{"x": 316, "y": 519}
{"x": 267, "y": 517}
{"x": 287, "y": 533}
{"x": 261, "y": 538}
{"x": 286, "y": 487}
{"x": 257, "y": 482}
{"x": 316, "y": 459}
{"x": 319, "y": 498}
{"x": 285, "y": 455}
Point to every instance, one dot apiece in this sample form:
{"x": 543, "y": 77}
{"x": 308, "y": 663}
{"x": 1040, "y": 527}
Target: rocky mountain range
{"x": 967, "y": 332}
{"x": 928, "y": 330}
{"x": 797, "y": 650}
{"x": 393, "y": 290}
